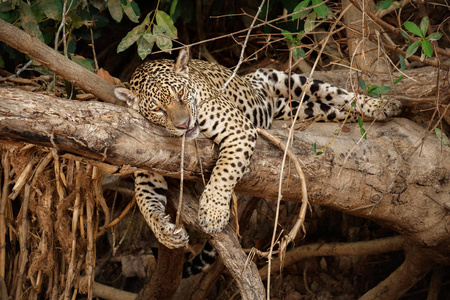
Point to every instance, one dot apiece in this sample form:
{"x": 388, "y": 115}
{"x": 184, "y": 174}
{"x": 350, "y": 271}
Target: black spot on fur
{"x": 274, "y": 77}
{"x": 309, "y": 112}
{"x": 331, "y": 116}
{"x": 324, "y": 107}
{"x": 302, "y": 80}
{"x": 314, "y": 87}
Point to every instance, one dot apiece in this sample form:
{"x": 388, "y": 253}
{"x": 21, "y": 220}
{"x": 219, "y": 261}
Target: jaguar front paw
{"x": 170, "y": 235}
{"x": 213, "y": 220}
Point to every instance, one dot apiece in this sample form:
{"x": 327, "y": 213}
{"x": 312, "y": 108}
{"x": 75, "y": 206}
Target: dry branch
{"x": 57, "y": 63}
{"x": 395, "y": 177}
{"x": 384, "y": 245}
{"x": 227, "y": 244}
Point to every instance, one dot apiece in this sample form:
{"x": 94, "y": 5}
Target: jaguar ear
{"x": 128, "y": 97}
{"x": 181, "y": 66}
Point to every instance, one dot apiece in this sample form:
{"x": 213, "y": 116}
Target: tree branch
{"x": 395, "y": 177}
{"x": 56, "y": 62}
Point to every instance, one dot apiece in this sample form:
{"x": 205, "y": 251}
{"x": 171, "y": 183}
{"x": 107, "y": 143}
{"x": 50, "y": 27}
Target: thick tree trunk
{"x": 399, "y": 176}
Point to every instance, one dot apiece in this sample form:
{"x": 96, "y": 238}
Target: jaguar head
{"x": 162, "y": 92}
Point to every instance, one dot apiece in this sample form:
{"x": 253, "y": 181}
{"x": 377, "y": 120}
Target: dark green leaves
{"x": 361, "y": 128}
{"x": 373, "y": 90}
{"x": 320, "y": 10}
{"x": 117, "y": 8}
{"x": 147, "y": 34}
{"x": 314, "y": 148}
{"x": 298, "y": 8}
{"x": 29, "y": 21}
{"x": 295, "y": 40}
{"x": 424, "y": 41}
{"x": 413, "y": 28}
{"x": 383, "y": 4}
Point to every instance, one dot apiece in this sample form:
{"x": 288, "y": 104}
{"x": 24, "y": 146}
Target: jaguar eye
{"x": 158, "y": 110}
{"x": 180, "y": 93}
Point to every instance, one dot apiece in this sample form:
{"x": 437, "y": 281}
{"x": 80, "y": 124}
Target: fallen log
{"x": 399, "y": 176}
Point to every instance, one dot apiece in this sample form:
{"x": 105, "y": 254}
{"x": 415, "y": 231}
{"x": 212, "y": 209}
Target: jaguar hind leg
{"x": 150, "y": 190}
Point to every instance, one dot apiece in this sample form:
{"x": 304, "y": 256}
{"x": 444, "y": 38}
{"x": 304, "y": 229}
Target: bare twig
{"x": 6, "y": 168}
{"x": 23, "y": 231}
{"x": 180, "y": 199}
{"x": 390, "y": 244}
{"x": 244, "y": 46}
{"x": 76, "y": 215}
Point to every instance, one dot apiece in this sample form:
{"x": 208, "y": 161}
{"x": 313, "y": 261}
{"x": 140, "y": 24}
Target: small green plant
{"x": 157, "y": 27}
{"x": 314, "y": 148}
{"x": 373, "y": 90}
{"x": 309, "y": 16}
{"x": 295, "y": 40}
{"x": 424, "y": 41}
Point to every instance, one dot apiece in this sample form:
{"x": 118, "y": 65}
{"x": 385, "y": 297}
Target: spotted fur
{"x": 186, "y": 98}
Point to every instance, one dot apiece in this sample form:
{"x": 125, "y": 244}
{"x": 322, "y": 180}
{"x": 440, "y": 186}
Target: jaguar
{"x": 189, "y": 97}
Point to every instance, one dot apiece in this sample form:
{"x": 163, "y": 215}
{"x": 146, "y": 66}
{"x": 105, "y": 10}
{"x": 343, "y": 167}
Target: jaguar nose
{"x": 184, "y": 125}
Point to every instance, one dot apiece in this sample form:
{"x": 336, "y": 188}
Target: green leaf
{"x": 131, "y": 37}
{"x": 321, "y": 10}
{"x": 309, "y": 22}
{"x": 442, "y": 137}
{"x": 424, "y": 26}
{"x": 361, "y": 129}
{"x": 84, "y": 62}
{"x": 29, "y": 21}
{"x": 402, "y": 68}
{"x": 162, "y": 40}
{"x": 52, "y": 9}
{"x": 362, "y": 84}
{"x": 115, "y": 10}
{"x": 435, "y": 36}
{"x": 298, "y": 52}
{"x": 377, "y": 90}
{"x": 405, "y": 35}
{"x": 76, "y": 20}
{"x": 129, "y": 11}
{"x": 411, "y": 27}
{"x": 287, "y": 35}
{"x": 173, "y": 7}
{"x": 383, "y": 4}
{"x": 314, "y": 148}
{"x": 145, "y": 45}
{"x": 412, "y": 48}
{"x": 427, "y": 48}
{"x": 299, "y": 7}
{"x": 402, "y": 62}
{"x": 165, "y": 22}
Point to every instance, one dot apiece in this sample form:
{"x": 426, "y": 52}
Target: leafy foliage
{"x": 42, "y": 19}
{"x": 308, "y": 11}
{"x": 150, "y": 32}
{"x": 373, "y": 90}
{"x": 424, "y": 41}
